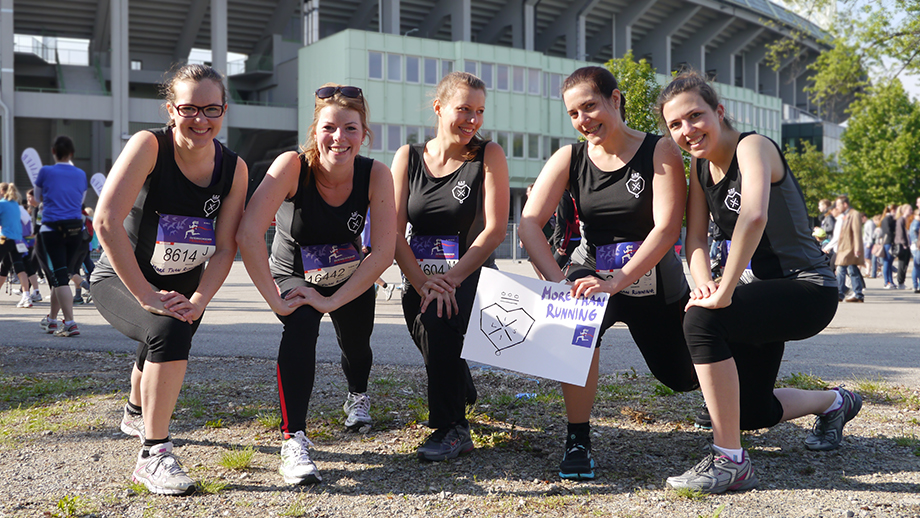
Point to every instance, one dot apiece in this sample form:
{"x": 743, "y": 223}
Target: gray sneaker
{"x": 827, "y": 431}
{"x": 296, "y": 465}
{"x": 447, "y": 443}
{"x": 717, "y": 474}
{"x": 133, "y": 424}
{"x": 357, "y": 407}
{"x": 162, "y": 473}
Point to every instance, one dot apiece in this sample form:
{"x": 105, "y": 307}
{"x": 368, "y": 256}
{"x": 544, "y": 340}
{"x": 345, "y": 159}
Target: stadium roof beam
{"x": 275, "y": 25}
{"x": 460, "y": 22}
{"x": 622, "y": 25}
{"x": 572, "y": 26}
{"x": 363, "y": 15}
{"x": 100, "y": 41}
{"x": 511, "y": 15}
{"x": 693, "y": 50}
{"x": 193, "y": 20}
{"x": 390, "y": 13}
{"x": 658, "y": 42}
{"x": 722, "y": 57}
{"x": 752, "y": 63}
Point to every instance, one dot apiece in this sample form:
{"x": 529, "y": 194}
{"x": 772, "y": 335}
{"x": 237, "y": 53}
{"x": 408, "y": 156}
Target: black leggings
{"x": 753, "y": 330}
{"x": 10, "y": 258}
{"x": 440, "y": 341}
{"x": 160, "y": 338}
{"x": 656, "y": 328}
{"x": 354, "y": 323}
{"x": 56, "y": 250}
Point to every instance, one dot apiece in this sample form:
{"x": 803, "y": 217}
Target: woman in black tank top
{"x": 736, "y": 331}
{"x": 319, "y": 199}
{"x": 628, "y": 188}
{"x": 454, "y": 191}
{"x": 172, "y": 202}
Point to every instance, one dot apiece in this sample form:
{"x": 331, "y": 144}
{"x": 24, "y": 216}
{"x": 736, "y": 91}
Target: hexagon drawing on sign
{"x": 504, "y": 328}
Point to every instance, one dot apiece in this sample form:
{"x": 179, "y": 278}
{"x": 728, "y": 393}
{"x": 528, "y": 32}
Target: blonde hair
{"x": 12, "y": 193}
{"x": 447, "y": 87}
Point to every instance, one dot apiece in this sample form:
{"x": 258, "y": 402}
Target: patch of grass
{"x": 617, "y": 390}
{"x": 270, "y": 420}
{"x": 137, "y": 487}
{"x": 802, "y": 381}
{"x": 62, "y": 416}
{"x": 69, "y": 506}
{"x": 191, "y": 404}
{"x": 662, "y": 390}
{"x": 211, "y": 486}
{"x": 296, "y": 509}
{"x": 713, "y": 515}
{"x": 28, "y": 391}
{"x": 690, "y": 494}
{"x": 875, "y": 389}
{"x": 492, "y": 438}
{"x": 214, "y": 423}
{"x": 237, "y": 458}
{"x": 418, "y": 409}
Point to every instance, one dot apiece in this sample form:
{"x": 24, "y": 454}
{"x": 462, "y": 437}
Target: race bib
{"x": 183, "y": 243}
{"x": 612, "y": 258}
{"x": 21, "y": 246}
{"x": 435, "y": 255}
{"x": 726, "y": 249}
{"x": 329, "y": 265}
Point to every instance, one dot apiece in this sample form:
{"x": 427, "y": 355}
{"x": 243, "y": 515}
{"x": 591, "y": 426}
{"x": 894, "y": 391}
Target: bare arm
{"x": 404, "y": 256}
{"x": 544, "y": 198}
{"x": 697, "y": 228}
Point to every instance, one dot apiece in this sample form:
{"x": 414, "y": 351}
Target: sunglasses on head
{"x": 352, "y": 92}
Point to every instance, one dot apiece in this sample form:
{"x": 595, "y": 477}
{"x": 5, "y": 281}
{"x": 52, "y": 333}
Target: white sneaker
{"x": 358, "y": 408}
{"x": 36, "y": 296}
{"x": 133, "y": 424}
{"x": 162, "y": 473}
{"x": 25, "y": 301}
{"x": 389, "y": 290}
{"x": 296, "y": 466}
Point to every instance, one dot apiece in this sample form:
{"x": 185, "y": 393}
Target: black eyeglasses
{"x": 211, "y": 111}
{"x": 352, "y": 92}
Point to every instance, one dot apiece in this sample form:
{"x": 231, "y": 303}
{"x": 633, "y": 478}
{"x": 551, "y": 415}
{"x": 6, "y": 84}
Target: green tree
{"x": 881, "y": 153}
{"x": 816, "y": 173}
{"x": 639, "y": 86}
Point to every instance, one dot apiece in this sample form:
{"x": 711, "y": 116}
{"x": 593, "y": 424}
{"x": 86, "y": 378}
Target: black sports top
{"x": 167, "y": 192}
{"x": 448, "y": 206}
{"x": 616, "y": 207}
{"x": 787, "y": 248}
{"x": 308, "y": 220}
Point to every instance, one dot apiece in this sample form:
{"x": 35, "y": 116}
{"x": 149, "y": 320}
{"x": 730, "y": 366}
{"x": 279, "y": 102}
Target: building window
{"x": 394, "y": 137}
{"x": 517, "y": 145}
{"x": 375, "y": 65}
{"x": 533, "y": 146}
{"x": 518, "y": 81}
{"x": 501, "y": 138}
{"x": 447, "y": 67}
{"x": 431, "y": 71}
{"x": 136, "y": 64}
{"x": 412, "y": 69}
{"x": 430, "y": 133}
{"x": 377, "y": 139}
{"x": 533, "y": 81}
{"x": 555, "y": 84}
{"x": 503, "y": 78}
{"x": 394, "y": 67}
{"x": 486, "y": 72}
{"x": 550, "y": 146}
{"x": 469, "y": 66}
{"x": 414, "y": 134}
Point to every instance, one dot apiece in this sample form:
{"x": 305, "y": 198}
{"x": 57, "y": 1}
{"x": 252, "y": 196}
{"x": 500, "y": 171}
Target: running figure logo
{"x": 193, "y": 229}
{"x": 584, "y": 336}
{"x": 504, "y": 328}
{"x": 211, "y": 205}
{"x": 356, "y": 222}
{"x": 461, "y": 191}
{"x": 635, "y": 185}
{"x": 733, "y": 201}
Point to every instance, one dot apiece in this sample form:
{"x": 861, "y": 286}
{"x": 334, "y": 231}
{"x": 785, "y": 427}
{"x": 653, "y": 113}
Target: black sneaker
{"x": 447, "y": 443}
{"x": 577, "y": 463}
{"x": 702, "y": 420}
{"x": 827, "y": 431}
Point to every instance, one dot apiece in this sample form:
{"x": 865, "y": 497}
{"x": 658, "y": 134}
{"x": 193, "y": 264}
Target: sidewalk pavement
{"x": 876, "y": 340}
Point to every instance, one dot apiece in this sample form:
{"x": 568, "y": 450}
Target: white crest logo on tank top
{"x": 355, "y": 222}
{"x": 733, "y": 201}
{"x": 635, "y": 185}
{"x": 212, "y": 205}
{"x": 461, "y": 191}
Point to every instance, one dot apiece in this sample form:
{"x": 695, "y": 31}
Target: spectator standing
{"x": 901, "y": 248}
{"x": 868, "y": 237}
{"x": 828, "y": 219}
{"x": 887, "y": 236}
{"x": 850, "y": 250}
{"x": 915, "y": 247}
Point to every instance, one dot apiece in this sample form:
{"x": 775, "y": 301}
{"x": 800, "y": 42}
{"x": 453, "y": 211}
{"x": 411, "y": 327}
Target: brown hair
{"x": 309, "y": 151}
{"x": 689, "y": 80}
{"x": 600, "y": 79}
{"x": 194, "y": 73}
{"x": 446, "y": 89}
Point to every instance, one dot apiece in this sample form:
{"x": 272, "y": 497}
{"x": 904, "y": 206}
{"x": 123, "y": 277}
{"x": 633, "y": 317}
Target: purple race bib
{"x": 183, "y": 243}
{"x": 435, "y": 255}
{"x": 612, "y": 258}
{"x": 329, "y": 265}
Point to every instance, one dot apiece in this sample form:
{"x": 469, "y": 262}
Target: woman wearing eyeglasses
{"x": 454, "y": 191}
{"x": 172, "y": 201}
{"x": 319, "y": 199}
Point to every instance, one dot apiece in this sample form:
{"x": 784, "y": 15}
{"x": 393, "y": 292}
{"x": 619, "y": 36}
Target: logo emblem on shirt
{"x": 733, "y": 201}
{"x": 211, "y": 205}
{"x": 355, "y": 222}
{"x": 635, "y": 185}
{"x": 461, "y": 191}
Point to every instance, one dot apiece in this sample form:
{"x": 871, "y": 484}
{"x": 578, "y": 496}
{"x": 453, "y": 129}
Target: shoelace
{"x": 361, "y": 406}
{"x": 303, "y": 455}
{"x": 169, "y": 462}
{"x": 820, "y": 426}
{"x": 705, "y": 464}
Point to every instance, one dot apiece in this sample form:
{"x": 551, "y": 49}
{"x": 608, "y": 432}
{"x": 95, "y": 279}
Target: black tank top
{"x": 307, "y": 220}
{"x": 616, "y": 207}
{"x": 787, "y": 248}
{"x": 167, "y": 191}
{"x": 448, "y": 206}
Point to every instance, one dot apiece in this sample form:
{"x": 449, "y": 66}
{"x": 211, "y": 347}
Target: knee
{"x": 699, "y": 323}
{"x": 169, "y": 340}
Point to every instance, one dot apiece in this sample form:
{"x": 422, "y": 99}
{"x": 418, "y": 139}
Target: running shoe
{"x": 703, "y": 420}
{"x": 36, "y": 296}
{"x": 78, "y": 299}
{"x": 25, "y": 301}
{"x": 296, "y": 466}
{"x": 67, "y": 330}
{"x": 577, "y": 463}
{"x": 717, "y": 473}
{"x": 447, "y": 443}
{"x": 357, "y": 407}
{"x": 388, "y": 289}
{"x": 827, "y": 432}
{"x": 161, "y": 472}
{"x": 48, "y": 325}
{"x": 132, "y": 424}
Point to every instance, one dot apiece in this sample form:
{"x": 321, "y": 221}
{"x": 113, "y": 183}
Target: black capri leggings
{"x": 354, "y": 323}
{"x": 10, "y": 258}
{"x": 160, "y": 338}
{"x": 57, "y": 248}
{"x": 753, "y": 330}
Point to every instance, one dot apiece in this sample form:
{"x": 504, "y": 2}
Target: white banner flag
{"x": 32, "y": 162}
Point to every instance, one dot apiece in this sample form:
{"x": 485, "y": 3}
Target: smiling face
{"x": 693, "y": 124}
{"x": 198, "y": 130}
{"x": 461, "y": 115}
{"x": 339, "y": 134}
{"x": 591, "y": 114}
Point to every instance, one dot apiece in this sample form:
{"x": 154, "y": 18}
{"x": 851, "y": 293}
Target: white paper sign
{"x": 97, "y": 181}
{"x": 533, "y": 326}
{"x": 33, "y": 163}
